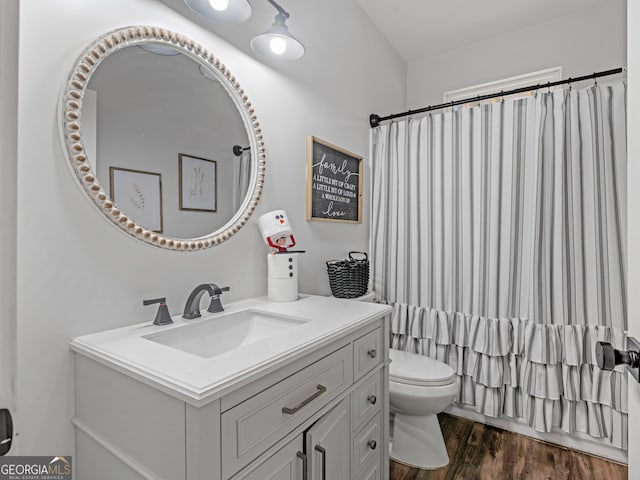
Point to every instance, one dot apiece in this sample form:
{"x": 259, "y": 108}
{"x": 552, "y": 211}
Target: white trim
{"x": 633, "y": 222}
{"x": 575, "y": 441}
{"x": 541, "y": 76}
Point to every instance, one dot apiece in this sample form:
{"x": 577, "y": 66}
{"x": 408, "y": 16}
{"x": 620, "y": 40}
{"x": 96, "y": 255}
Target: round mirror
{"x": 162, "y": 138}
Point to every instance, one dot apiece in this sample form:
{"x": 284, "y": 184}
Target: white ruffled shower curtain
{"x": 498, "y": 236}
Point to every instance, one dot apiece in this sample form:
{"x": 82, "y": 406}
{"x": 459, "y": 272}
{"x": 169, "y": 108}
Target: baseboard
{"x": 575, "y": 441}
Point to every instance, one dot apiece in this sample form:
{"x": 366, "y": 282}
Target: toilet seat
{"x": 413, "y": 369}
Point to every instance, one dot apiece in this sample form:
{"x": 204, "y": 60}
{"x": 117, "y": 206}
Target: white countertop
{"x": 198, "y": 380}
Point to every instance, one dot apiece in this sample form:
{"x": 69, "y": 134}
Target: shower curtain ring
{"x": 595, "y": 80}
{"x": 569, "y": 82}
{"x": 548, "y": 87}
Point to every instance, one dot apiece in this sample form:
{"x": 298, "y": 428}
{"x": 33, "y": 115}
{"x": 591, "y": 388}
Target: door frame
{"x": 9, "y": 41}
{"x": 633, "y": 220}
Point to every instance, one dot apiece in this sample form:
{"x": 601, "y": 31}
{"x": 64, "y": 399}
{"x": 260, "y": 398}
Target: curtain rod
{"x": 374, "y": 119}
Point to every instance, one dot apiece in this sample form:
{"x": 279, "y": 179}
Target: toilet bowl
{"x": 419, "y": 388}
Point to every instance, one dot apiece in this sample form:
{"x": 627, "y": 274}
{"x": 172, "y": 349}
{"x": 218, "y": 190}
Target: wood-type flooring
{"x": 481, "y": 452}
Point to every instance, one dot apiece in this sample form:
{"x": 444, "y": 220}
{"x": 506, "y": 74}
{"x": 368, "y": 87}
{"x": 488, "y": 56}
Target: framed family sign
{"x": 334, "y": 183}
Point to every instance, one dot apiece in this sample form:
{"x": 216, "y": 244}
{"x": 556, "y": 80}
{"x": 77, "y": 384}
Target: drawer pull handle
{"x": 372, "y": 444}
{"x": 373, "y": 353}
{"x": 303, "y": 457}
{"x": 291, "y": 411}
{"x": 323, "y": 452}
{"x": 372, "y": 399}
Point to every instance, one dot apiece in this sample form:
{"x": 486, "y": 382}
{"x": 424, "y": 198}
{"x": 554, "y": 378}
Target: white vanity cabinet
{"x": 328, "y": 445}
{"x": 286, "y": 464}
{"x": 321, "y": 414}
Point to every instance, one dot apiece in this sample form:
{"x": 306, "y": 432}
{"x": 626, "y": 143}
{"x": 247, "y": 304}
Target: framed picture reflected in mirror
{"x": 139, "y": 193}
{"x": 198, "y": 183}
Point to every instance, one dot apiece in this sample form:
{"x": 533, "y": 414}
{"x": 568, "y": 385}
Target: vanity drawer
{"x": 251, "y": 427}
{"x": 366, "y": 400}
{"x": 367, "y": 445}
{"x": 367, "y": 353}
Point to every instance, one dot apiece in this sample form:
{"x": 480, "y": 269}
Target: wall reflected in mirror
{"x": 142, "y": 111}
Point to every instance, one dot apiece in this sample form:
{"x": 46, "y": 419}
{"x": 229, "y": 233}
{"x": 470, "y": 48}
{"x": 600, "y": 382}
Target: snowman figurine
{"x": 276, "y": 230}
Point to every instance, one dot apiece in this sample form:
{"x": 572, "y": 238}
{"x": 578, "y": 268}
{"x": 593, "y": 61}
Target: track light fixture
{"x": 277, "y": 42}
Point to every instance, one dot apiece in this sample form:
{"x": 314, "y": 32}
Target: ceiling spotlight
{"x": 226, "y": 11}
{"x": 219, "y": 5}
{"x": 277, "y": 42}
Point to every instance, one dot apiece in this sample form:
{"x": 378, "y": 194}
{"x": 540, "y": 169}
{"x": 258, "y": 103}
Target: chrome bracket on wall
{"x": 608, "y": 357}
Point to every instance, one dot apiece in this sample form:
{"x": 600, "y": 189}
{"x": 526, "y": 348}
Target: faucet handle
{"x": 154, "y": 300}
{"x": 216, "y": 305}
{"x": 218, "y": 290}
{"x": 162, "y": 316}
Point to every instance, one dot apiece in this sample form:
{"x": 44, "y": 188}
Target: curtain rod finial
{"x": 374, "y": 120}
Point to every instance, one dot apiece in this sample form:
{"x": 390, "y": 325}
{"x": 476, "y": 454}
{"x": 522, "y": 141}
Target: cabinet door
{"x": 286, "y": 464}
{"x": 328, "y": 445}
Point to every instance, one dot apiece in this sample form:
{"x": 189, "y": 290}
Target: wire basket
{"x": 349, "y": 278}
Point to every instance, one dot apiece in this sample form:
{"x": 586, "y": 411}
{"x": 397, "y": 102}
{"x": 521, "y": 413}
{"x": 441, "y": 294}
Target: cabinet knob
{"x": 372, "y": 444}
{"x": 372, "y": 399}
{"x": 373, "y": 353}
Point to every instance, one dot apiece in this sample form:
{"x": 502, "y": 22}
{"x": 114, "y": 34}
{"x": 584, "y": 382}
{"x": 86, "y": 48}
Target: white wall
{"x": 78, "y": 274}
{"x": 582, "y": 43}
{"x": 633, "y": 221}
{"x": 8, "y": 174}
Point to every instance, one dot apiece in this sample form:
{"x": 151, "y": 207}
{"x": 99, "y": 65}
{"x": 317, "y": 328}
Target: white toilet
{"x": 419, "y": 388}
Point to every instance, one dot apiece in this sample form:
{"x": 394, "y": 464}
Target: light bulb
{"x": 278, "y": 45}
{"x": 219, "y": 5}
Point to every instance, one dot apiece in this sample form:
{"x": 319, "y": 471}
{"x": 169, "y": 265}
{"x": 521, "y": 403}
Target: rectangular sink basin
{"x": 220, "y": 334}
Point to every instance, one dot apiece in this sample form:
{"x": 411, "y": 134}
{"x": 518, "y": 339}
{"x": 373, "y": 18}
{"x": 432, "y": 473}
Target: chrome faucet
{"x": 192, "y": 307}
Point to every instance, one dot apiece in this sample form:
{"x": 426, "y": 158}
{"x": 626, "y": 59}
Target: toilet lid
{"x": 414, "y": 369}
